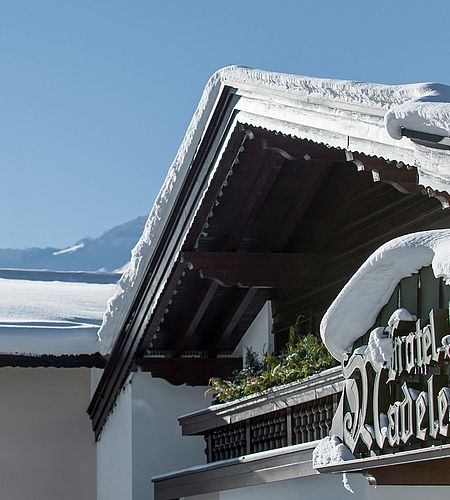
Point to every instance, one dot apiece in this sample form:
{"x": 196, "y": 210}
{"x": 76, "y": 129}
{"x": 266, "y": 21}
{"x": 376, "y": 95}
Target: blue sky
{"x": 95, "y": 95}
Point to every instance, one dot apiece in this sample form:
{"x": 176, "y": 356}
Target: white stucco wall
{"x": 114, "y": 454}
{"x": 259, "y": 336}
{"x": 158, "y": 445}
{"x": 142, "y": 437}
{"x": 96, "y": 375}
{"x": 47, "y": 449}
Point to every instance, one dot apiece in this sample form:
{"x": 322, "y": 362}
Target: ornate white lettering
{"x": 378, "y": 412}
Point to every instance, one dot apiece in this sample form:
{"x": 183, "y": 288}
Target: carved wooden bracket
{"x": 401, "y": 177}
{"x": 191, "y": 371}
{"x": 252, "y": 270}
{"x": 441, "y": 196}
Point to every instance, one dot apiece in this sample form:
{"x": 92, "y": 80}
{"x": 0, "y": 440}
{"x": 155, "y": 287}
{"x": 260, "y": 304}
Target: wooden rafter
{"x": 189, "y": 370}
{"x": 229, "y": 324}
{"x": 196, "y": 312}
{"x": 253, "y": 270}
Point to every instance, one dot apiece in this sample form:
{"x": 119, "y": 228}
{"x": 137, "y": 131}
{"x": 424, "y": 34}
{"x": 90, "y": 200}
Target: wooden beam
{"x": 403, "y": 178}
{"x": 244, "y": 215}
{"x": 196, "y": 312}
{"x": 253, "y": 270}
{"x": 47, "y": 360}
{"x": 424, "y": 473}
{"x": 191, "y": 371}
{"x": 239, "y": 308}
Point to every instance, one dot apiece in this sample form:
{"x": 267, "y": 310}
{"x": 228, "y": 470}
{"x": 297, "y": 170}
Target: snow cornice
{"x": 355, "y": 309}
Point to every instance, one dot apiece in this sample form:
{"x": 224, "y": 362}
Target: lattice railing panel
{"x": 268, "y": 431}
{"x": 297, "y": 424}
{"x": 312, "y": 420}
{"x": 228, "y": 441}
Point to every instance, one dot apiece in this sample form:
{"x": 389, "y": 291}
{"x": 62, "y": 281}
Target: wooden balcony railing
{"x": 296, "y": 413}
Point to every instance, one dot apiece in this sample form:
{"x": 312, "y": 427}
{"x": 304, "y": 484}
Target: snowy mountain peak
{"x": 109, "y": 252}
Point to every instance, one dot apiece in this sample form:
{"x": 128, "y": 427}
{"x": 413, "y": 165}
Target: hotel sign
{"x": 402, "y": 400}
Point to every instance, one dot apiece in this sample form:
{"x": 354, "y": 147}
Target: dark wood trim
{"x": 241, "y": 304}
{"x": 258, "y": 270}
{"x": 279, "y": 465}
{"x": 200, "y": 186}
{"x": 190, "y": 371}
{"x": 196, "y": 312}
{"x": 404, "y": 179}
{"x": 314, "y": 387}
{"x": 269, "y": 172}
{"x": 426, "y": 473}
{"x": 426, "y": 139}
{"x": 421, "y": 455}
{"x": 442, "y": 196}
{"x": 291, "y": 220}
{"x": 163, "y": 302}
{"x": 66, "y": 361}
{"x": 129, "y": 340}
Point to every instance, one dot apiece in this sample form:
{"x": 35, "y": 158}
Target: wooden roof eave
{"x": 222, "y": 138}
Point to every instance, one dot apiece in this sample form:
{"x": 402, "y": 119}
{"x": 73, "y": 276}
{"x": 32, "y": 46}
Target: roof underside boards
{"x": 246, "y": 188}
{"x": 257, "y": 212}
{"x": 278, "y": 209}
{"x": 341, "y": 114}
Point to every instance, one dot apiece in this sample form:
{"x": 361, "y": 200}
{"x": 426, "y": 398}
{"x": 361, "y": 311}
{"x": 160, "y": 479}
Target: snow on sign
{"x": 396, "y": 394}
{"x": 396, "y": 390}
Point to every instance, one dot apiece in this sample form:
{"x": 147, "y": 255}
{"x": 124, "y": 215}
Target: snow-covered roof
{"x": 356, "y": 307}
{"x": 357, "y": 116}
{"x": 40, "y": 317}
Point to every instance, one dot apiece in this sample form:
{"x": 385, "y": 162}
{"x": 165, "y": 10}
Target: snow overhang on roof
{"x": 355, "y": 309}
{"x": 45, "y": 313}
{"x": 356, "y": 116}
